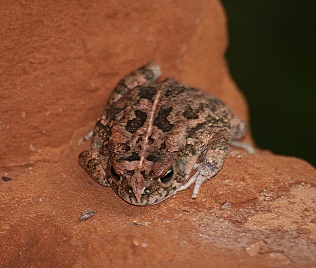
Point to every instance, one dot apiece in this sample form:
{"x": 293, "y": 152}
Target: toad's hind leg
{"x": 210, "y": 161}
{"x": 239, "y": 129}
{"x": 143, "y": 76}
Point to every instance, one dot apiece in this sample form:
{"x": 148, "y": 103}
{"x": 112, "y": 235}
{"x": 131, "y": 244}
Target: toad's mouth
{"x": 145, "y": 199}
{"x": 150, "y": 195}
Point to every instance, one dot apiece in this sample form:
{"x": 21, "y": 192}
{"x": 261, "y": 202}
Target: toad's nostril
{"x": 147, "y": 191}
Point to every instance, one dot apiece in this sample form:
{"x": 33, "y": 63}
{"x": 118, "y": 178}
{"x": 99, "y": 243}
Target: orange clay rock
{"x": 59, "y": 64}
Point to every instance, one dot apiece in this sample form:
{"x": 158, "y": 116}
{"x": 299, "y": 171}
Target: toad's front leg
{"x": 90, "y": 161}
{"x": 210, "y": 162}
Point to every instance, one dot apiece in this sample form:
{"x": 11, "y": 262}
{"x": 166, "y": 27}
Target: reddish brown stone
{"x": 59, "y": 63}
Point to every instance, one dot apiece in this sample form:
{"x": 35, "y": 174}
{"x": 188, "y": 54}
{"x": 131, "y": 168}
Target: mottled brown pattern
{"x": 137, "y": 122}
{"x": 155, "y": 139}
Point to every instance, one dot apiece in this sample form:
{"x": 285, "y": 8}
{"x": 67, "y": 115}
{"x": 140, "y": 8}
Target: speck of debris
{"x": 5, "y": 178}
{"x": 187, "y": 211}
{"x": 226, "y": 205}
{"x": 254, "y": 249}
{"x": 235, "y": 154}
{"x": 87, "y": 214}
{"x": 137, "y": 244}
{"x": 32, "y": 148}
{"x": 137, "y": 223}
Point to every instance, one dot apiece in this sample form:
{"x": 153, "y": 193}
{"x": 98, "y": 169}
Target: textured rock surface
{"x": 59, "y": 63}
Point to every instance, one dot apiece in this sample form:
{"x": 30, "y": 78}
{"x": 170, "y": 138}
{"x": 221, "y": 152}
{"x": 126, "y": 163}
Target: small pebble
{"x": 226, "y": 205}
{"x": 87, "y": 214}
{"x": 253, "y": 249}
{"x": 5, "y": 178}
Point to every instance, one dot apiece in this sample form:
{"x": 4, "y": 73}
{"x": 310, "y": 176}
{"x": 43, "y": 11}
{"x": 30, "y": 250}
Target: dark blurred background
{"x": 272, "y": 58}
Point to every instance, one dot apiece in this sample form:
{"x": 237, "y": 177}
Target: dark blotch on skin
{"x": 162, "y": 145}
{"x": 101, "y": 127}
{"x": 150, "y": 140}
{"x": 114, "y": 111}
{"x": 190, "y": 149}
{"x": 214, "y": 108}
{"x": 153, "y": 158}
{"x": 147, "y": 93}
{"x": 143, "y": 172}
{"x": 133, "y": 157}
{"x": 121, "y": 88}
{"x": 135, "y": 123}
{"x": 147, "y": 73}
{"x": 191, "y": 114}
{"x": 215, "y": 105}
{"x": 130, "y": 172}
{"x": 174, "y": 91}
{"x": 161, "y": 120}
{"x": 125, "y": 147}
{"x": 195, "y": 129}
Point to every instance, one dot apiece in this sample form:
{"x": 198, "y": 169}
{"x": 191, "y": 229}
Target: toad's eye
{"x": 115, "y": 175}
{"x": 167, "y": 177}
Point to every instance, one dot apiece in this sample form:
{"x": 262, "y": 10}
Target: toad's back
{"x": 163, "y": 115}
